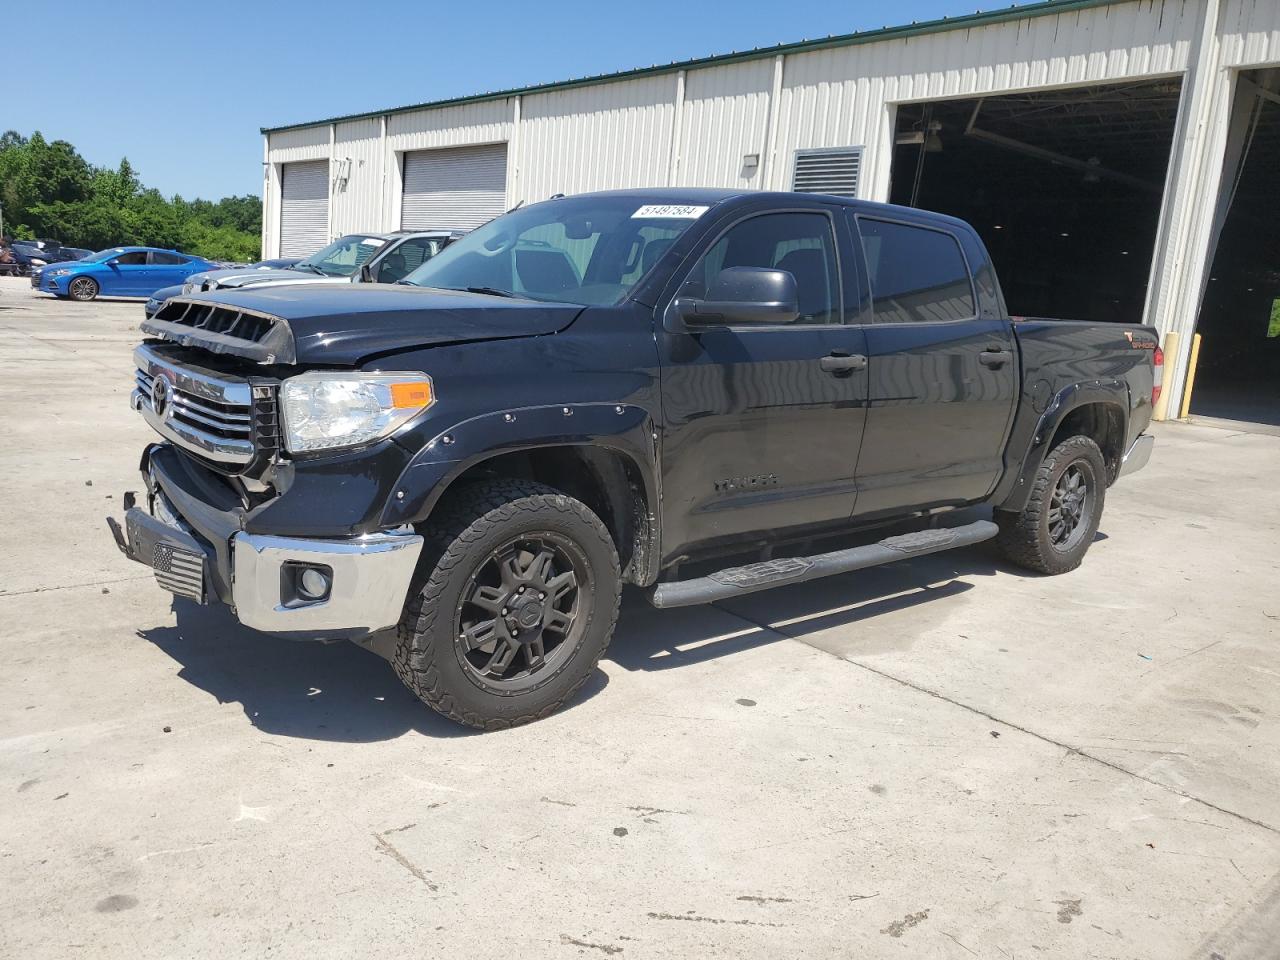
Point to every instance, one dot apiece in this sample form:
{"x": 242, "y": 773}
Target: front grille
{"x": 229, "y": 421}
{"x": 36, "y": 273}
{"x": 179, "y": 571}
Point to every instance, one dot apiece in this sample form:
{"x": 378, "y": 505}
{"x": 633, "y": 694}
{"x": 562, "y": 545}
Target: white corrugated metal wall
{"x": 740, "y": 123}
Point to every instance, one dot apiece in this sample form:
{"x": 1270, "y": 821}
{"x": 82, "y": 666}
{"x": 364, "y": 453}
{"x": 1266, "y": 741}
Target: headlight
{"x": 325, "y": 410}
{"x": 59, "y": 273}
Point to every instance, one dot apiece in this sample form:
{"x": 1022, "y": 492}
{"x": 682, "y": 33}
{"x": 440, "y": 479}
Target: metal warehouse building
{"x": 1121, "y": 158}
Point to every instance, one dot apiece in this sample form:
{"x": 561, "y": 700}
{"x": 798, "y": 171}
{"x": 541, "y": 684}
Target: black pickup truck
{"x": 691, "y": 391}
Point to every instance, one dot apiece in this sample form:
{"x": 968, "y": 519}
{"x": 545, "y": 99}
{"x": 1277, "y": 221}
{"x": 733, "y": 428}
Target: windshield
{"x": 586, "y": 250}
{"x": 102, "y": 255}
{"x": 343, "y": 257}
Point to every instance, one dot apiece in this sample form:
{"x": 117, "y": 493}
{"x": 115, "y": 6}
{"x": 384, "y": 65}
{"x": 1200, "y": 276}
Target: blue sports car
{"x": 121, "y": 272}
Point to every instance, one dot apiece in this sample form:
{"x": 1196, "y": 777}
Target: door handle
{"x": 843, "y": 363}
{"x": 994, "y": 357}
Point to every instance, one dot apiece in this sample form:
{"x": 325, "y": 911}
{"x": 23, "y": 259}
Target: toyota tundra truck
{"x": 700, "y": 393}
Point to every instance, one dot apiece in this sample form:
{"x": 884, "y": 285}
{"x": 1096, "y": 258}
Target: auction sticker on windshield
{"x": 670, "y": 211}
{"x": 371, "y": 242}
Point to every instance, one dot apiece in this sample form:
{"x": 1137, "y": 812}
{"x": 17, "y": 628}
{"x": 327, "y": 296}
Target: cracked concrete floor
{"x": 941, "y": 759}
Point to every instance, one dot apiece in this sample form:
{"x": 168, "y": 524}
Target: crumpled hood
{"x": 342, "y": 324}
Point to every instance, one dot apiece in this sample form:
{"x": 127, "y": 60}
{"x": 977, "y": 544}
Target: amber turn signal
{"x": 411, "y": 395}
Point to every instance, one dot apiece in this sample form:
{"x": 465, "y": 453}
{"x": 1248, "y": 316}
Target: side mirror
{"x": 746, "y": 295}
{"x": 113, "y": 262}
{"x": 366, "y": 273}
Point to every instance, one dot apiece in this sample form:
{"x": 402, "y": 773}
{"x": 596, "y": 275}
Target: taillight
{"x": 1158, "y": 379}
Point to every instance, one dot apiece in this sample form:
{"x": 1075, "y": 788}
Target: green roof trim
{"x": 967, "y": 21}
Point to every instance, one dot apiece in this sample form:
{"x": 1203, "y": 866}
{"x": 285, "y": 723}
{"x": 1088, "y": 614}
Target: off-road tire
{"x": 1024, "y": 536}
{"x": 83, "y": 289}
{"x": 460, "y": 535}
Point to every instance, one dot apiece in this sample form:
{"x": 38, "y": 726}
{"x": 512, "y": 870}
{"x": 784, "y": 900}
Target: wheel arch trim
{"x": 624, "y": 429}
{"x": 1112, "y": 393}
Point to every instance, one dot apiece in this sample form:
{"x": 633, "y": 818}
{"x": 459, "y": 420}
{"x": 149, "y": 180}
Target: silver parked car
{"x": 355, "y": 258}
{"x": 388, "y": 256}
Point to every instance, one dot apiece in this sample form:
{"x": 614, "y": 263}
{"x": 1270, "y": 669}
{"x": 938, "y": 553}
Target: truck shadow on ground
{"x": 649, "y": 639}
{"x": 342, "y": 692}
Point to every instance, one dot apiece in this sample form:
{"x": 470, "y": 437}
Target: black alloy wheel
{"x": 1068, "y": 506}
{"x": 518, "y": 614}
{"x": 515, "y": 601}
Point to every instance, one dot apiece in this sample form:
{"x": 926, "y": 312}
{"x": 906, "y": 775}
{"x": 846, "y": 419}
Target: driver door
{"x": 129, "y": 275}
{"x": 760, "y": 434}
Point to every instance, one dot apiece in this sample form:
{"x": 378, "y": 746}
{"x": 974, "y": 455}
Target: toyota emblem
{"x": 161, "y": 397}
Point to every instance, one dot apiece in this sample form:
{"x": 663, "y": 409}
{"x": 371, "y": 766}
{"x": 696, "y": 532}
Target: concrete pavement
{"x": 944, "y": 758}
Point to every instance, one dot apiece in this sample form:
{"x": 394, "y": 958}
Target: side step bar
{"x": 737, "y": 581}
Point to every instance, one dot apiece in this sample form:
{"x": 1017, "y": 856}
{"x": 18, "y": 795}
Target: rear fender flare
{"x": 1110, "y": 391}
{"x": 625, "y": 428}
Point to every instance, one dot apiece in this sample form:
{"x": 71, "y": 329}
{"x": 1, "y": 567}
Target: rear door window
{"x": 918, "y": 275}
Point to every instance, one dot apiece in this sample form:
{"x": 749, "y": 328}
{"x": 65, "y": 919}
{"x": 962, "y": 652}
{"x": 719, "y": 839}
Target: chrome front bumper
{"x": 259, "y": 576}
{"x": 369, "y": 581}
{"x": 1138, "y": 455}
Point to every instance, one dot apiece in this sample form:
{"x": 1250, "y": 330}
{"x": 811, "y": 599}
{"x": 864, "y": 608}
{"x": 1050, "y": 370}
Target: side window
{"x": 917, "y": 275}
{"x": 166, "y": 259}
{"x": 800, "y": 243}
{"x": 133, "y": 258}
{"x": 410, "y": 255}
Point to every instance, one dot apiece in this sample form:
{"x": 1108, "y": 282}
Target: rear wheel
{"x": 83, "y": 289}
{"x": 519, "y": 602}
{"x": 1053, "y": 531}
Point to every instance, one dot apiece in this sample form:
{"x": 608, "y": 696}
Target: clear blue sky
{"x": 182, "y": 88}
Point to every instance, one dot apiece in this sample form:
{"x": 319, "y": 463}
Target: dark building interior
{"x": 1238, "y": 377}
{"x": 1064, "y": 186}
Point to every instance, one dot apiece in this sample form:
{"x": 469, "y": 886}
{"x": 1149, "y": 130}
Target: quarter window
{"x": 800, "y": 243}
{"x": 917, "y": 275}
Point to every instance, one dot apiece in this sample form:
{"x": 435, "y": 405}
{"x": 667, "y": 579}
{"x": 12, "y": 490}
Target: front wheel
{"x": 83, "y": 289}
{"x": 519, "y": 603}
{"x": 1053, "y": 531}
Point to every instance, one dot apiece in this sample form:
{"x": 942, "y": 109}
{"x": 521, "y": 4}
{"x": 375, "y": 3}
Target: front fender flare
{"x": 626, "y": 428}
{"x": 1110, "y": 391}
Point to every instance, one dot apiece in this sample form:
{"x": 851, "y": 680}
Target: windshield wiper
{"x": 309, "y": 266}
{"x": 491, "y": 291}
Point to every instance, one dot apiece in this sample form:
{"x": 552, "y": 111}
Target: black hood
{"x": 342, "y": 324}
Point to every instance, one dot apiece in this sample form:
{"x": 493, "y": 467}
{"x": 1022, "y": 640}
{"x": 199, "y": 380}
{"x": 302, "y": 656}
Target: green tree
{"x": 49, "y": 190}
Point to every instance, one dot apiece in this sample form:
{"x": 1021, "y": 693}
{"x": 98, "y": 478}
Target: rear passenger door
{"x": 166, "y": 270}
{"x": 943, "y": 375}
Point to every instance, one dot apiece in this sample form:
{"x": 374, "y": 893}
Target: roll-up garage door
{"x": 304, "y": 208}
{"x": 452, "y": 189}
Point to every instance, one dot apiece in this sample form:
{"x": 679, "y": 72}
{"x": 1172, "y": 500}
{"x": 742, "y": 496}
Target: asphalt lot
{"x": 944, "y": 758}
